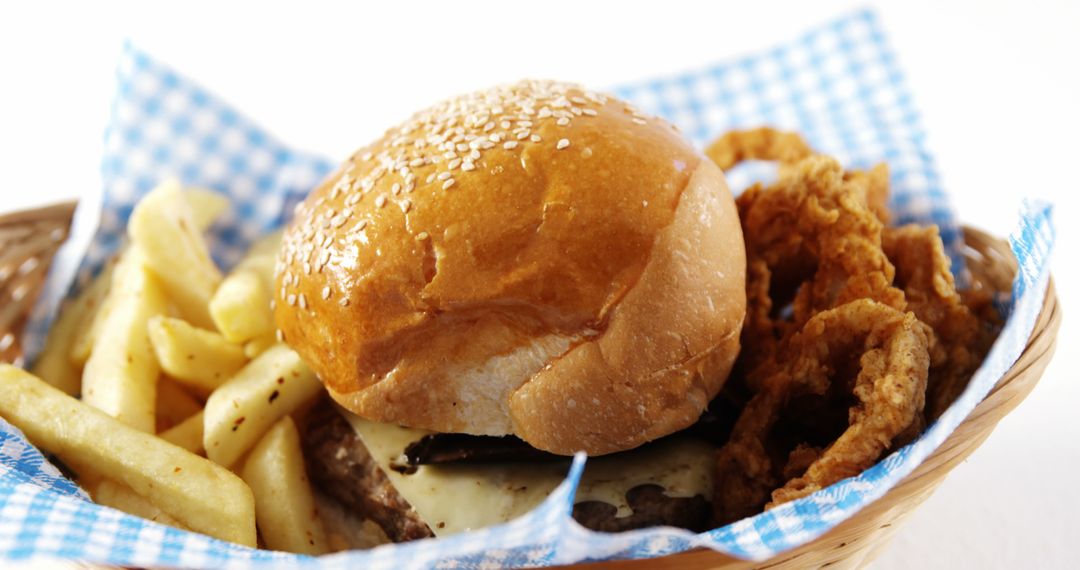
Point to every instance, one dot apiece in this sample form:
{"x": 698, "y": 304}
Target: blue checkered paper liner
{"x": 839, "y": 84}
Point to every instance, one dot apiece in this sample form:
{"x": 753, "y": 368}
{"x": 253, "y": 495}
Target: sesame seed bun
{"x": 535, "y": 259}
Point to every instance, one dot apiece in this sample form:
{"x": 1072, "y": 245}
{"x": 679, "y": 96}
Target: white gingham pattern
{"x": 839, "y": 84}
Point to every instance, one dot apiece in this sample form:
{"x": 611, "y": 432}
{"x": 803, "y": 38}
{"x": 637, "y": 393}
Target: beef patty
{"x": 340, "y": 465}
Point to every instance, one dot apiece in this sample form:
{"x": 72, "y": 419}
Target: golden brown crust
{"x": 508, "y": 223}
{"x": 670, "y": 345}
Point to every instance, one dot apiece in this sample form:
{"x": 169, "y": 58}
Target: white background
{"x": 997, "y": 84}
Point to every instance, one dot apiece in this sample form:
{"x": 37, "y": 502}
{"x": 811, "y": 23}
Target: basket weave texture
{"x": 28, "y": 241}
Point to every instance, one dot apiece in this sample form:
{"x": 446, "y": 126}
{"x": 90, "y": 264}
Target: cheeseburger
{"x": 506, "y": 279}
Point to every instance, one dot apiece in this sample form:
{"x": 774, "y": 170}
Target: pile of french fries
{"x": 185, "y": 393}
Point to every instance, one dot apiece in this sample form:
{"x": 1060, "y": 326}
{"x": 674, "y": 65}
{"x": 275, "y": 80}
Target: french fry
{"x": 97, "y": 303}
{"x": 241, "y": 305}
{"x": 121, "y": 374}
{"x": 198, "y": 493}
{"x": 187, "y": 434}
{"x": 120, "y": 497}
{"x": 241, "y": 410}
{"x": 162, "y": 226}
{"x": 174, "y": 405}
{"x": 285, "y": 510}
{"x": 258, "y": 345}
{"x": 206, "y": 206}
{"x": 54, "y": 364}
{"x": 197, "y": 358}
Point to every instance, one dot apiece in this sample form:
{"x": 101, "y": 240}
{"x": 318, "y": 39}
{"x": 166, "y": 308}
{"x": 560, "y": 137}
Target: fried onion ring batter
{"x": 811, "y": 239}
{"x": 922, "y": 271}
{"x": 852, "y": 328}
{"x": 892, "y": 348}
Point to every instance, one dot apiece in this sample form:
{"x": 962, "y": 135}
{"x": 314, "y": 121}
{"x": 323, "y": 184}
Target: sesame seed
{"x": 638, "y": 121}
{"x": 291, "y": 299}
{"x": 429, "y": 147}
{"x": 326, "y": 292}
{"x": 344, "y": 302}
{"x": 280, "y": 335}
{"x": 422, "y": 236}
{"x": 303, "y": 301}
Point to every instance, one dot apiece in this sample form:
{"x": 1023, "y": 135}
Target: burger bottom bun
{"x": 668, "y": 347}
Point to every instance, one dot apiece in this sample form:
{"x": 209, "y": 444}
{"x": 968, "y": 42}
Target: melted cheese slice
{"x": 456, "y": 498}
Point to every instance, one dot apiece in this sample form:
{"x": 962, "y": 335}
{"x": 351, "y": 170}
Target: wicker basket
{"x": 28, "y": 240}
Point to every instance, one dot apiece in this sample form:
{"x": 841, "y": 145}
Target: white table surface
{"x": 997, "y": 83}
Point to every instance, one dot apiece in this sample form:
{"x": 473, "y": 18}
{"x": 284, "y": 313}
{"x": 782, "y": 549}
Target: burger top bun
{"x": 535, "y": 259}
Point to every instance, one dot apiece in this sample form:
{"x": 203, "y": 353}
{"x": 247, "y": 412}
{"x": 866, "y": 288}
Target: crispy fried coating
{"x": 786, "y": 148}
{"x": 763, "y": 143}
{"x": 923, "y": 272}
{"x": 852, "y": 328}
{"x": 811, "y": 240}
{"x": 874, "y": 184}
{"x": 889, "y": 388}
{"x": 892, "y": 351}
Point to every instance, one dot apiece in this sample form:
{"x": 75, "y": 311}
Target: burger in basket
{"x": 502, "y": 281}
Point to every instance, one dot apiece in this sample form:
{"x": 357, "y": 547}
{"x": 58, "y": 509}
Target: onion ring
{"x": 852, "y": 328}
{"x": 763, "y": 143}
{"x": 889, "y": 388}
{"x": 810, "y": 237}
{"x": 923, "y": 272}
